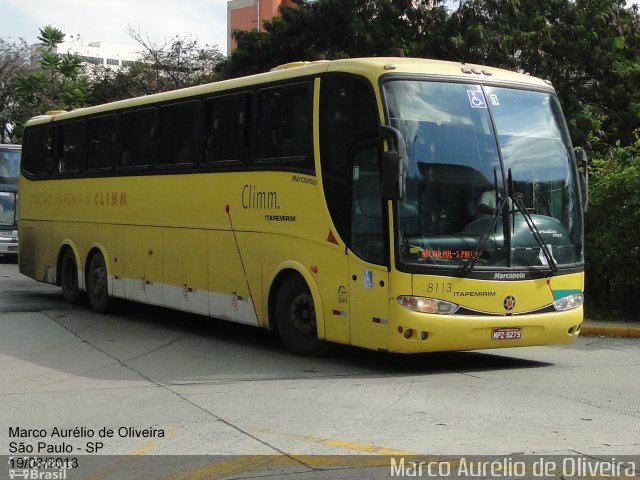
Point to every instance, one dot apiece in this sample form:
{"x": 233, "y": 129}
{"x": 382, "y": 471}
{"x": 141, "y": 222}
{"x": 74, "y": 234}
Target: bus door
{"x": 368, "y": 274}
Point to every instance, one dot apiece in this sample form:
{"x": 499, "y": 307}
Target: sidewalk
{"x": 591, "y": 328}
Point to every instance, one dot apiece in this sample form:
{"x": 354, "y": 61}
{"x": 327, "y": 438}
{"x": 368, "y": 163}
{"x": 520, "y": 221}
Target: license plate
{"x": 509, "y": 333}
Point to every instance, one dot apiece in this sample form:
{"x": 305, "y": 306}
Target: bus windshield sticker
{"x": 367, "y": 279}
{"x": 476, "y": 99}
{"x": 494, "y": 100}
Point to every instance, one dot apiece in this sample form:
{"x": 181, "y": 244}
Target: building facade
{"x": 110, "y": 55}
{"x": 250, "y": 14}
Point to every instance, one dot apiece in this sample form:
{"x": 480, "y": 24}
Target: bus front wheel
{"x": 69, "y": 277}
{"x": 97, "y": 284}
{"x": 295, "y": 318}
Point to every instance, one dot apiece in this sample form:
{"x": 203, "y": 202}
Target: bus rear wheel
{"x": 97, "y": 284}
{"x": 69, "y": 277}
{"x": 295, "y": 318}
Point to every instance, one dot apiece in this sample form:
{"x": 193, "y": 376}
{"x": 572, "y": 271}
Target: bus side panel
{"x": 330, "y": 276}
{"x": 35, "y": 255}
{"x": 250, "y": 245}
{"x": 335, "y": 290}
{"x": 144, "y": 264}
{"x": 186, "y": 282}
{"x": 118, "y": 257}
{"x": 229, "y": 297}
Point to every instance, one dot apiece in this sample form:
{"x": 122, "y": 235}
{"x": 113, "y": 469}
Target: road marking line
{"x": 361, "y": 447}
{"x": 246, "y": 463}
{"x": 132, "y": 456}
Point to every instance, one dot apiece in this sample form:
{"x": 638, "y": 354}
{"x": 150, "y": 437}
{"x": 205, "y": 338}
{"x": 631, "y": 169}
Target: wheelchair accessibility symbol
{"x": 476, "y": 99}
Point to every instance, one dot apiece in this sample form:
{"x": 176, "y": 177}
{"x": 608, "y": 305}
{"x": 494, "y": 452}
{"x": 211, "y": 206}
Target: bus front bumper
{"x": 8, "y": 242}
{"x": 413, "y": 332}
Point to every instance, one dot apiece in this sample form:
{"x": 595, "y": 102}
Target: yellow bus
{"x": 401, "y": 205}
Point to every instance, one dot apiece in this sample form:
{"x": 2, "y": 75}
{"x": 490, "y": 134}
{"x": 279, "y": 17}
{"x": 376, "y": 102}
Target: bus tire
{"x": 97, "y": 284}
{"x": 295, "y": 318}
{"x": 69, "y": 277}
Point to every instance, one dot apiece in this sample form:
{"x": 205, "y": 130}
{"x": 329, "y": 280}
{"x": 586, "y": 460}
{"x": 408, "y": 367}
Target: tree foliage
{"x": 613, "y": 231}
{"x": 177, "y": 63}
{"x": 331, "y": 29}
{"x": 54, "y": 82}
{"x": 14, "y": 62}
{"x": 588, "y": 49}
{"x": 180, "y": 62}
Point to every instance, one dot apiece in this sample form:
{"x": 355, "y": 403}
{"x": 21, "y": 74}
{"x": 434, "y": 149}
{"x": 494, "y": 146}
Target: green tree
{"x": 588, "y": 49}
{"x": 330, "y": 29}
{"x": 14, "y": 61}
{"x": 49, "y": 39}
{"x": 178, "y": 63}
{"x": 613, "y": 232}
{"x": 57, "y": 83}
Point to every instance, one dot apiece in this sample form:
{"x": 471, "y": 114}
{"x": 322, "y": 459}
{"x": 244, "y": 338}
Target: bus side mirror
{"x": 392, "y": 164}
{"x": 582, "y": 162}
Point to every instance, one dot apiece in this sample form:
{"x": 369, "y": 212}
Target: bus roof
{"x": 372, "y": 67}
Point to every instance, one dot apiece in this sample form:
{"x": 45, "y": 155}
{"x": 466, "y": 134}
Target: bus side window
{"x": 348, "y": 123}
{"x": 36, "y": 158}
{"x": 138, "y": 138}
{"x": 269, "y": 123}
{"x": 179, "y": 125}
{"x": 295, "y": 122}
{"x": 72, "y": 147}
{"x": 227, "y": 128}
{"x": 284, "y": 126}
{"x": 367, "y": 224}
{"x": 102, "y": 142}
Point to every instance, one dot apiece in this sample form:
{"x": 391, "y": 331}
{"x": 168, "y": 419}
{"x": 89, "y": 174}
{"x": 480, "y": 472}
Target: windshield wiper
{"x": 485, "y": 235}
{"x": 546, "y": 251}
{"x": 520, "y": 207}
{"x": 500, "y": 202}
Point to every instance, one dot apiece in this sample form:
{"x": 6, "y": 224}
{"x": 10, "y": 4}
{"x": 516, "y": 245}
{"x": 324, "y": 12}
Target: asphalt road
{"x": 168, "y": 383}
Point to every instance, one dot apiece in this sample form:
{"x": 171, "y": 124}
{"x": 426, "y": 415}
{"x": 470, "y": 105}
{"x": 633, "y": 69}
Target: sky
{"x": 108, "y": 20}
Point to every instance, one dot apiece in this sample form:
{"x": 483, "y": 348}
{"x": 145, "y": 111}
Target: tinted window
{"x": 227, "y": 128}
{"x": 284, "y": 125}
{"x": 179, "y": 133}
{"x": 71, "y": 137}
{"x": 138, "y": 138}
{"x": 37, "y": 153}
{"x": 9, "y": 165}
{"x": 348, "y": 123}
{"x": 102, "y": 142}
{"x": 367, "y": 220}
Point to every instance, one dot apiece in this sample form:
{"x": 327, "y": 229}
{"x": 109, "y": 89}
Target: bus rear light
{"x": 569, "y": 302}
{"x": 427, "y": 305}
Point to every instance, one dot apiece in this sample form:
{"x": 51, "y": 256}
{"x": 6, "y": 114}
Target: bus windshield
{"x": 8, "y": 210}
{"x": 9, "y": 165}
{"x": 490, "y": 177}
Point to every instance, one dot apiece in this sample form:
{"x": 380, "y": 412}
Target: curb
{"x": 601, "y": 329}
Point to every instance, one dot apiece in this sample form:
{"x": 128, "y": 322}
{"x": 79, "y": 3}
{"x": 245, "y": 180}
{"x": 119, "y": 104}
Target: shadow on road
{"x": 177, "y": 347}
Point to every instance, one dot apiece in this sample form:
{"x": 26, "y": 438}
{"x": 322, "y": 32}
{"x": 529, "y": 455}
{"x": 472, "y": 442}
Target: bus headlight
{"x": 569, "y": 302}
{"x": 427, "y": 305}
